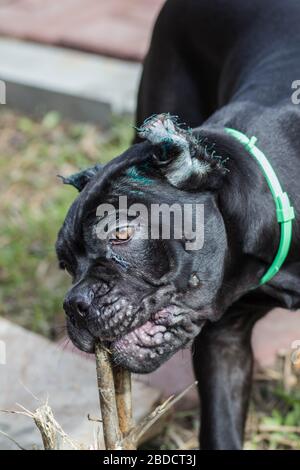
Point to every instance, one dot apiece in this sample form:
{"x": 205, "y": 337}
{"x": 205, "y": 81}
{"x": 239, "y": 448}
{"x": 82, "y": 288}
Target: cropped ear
{"x": 185, "y": 161}
{"x": 80, "y": 179}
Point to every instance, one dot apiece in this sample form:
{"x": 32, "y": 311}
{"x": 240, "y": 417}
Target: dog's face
{"x": 145, "y": 296}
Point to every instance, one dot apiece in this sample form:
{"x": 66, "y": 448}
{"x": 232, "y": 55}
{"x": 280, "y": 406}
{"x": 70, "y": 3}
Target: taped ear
{"x": 80, "y": 179}
{"x": 185, "y": 161}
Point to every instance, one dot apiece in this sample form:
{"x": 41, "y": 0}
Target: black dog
{"x": 216, "y": 64}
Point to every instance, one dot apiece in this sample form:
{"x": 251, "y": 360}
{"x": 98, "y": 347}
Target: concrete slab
{"x": 68, "y": 380}
{"x": 80, "y": 86}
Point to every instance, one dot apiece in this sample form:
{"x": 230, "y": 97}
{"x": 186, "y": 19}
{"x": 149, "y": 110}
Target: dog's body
{"x": 216, "y": 64}
{"x": 220, "y": 63}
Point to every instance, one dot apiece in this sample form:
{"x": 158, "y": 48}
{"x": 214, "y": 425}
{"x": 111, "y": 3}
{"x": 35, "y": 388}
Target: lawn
{"x": 33, "y": 205}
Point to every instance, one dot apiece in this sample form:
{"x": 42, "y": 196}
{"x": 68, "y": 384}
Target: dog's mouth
{"x": 144, "y": 347}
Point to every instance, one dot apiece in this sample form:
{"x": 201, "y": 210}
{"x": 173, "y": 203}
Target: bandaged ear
{"x": 80, "y": 179}
{"x": 185, "y": 161}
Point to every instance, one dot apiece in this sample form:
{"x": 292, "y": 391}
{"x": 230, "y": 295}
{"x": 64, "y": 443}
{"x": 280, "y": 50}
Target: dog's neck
{"x": 248, "y": 211}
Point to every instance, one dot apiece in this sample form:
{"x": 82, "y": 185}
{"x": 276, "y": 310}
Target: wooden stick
{"x": 106, "y": 389}
{"x": 114, "y": 386}
{"x": 122, "y": 379}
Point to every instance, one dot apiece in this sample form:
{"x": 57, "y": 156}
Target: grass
{"x": 33, "y": 205}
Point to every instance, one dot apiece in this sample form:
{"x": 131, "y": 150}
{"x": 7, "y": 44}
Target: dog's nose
{"x": 77, "y": 304}
{"x": 82, "y": 307}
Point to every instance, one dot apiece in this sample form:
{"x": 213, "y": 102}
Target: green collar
{"x": 284, "y": 211}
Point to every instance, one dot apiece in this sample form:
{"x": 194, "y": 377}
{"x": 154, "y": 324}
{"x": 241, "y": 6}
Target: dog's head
{"x": 139, "y": 284}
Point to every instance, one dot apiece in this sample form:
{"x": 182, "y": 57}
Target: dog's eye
{"x": 65, "y": 267}
{"x": 121, "y": 235}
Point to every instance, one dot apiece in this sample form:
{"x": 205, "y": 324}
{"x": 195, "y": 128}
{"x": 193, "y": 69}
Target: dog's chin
{"x": 146, "y": 347}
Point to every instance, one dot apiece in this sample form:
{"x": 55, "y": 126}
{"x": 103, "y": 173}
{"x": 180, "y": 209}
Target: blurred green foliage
{"x": 33, "y": 205}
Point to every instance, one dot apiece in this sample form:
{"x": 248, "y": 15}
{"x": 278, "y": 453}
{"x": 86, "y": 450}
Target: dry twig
{"x": 114, "y": 385}
{"x": 122, "y": 380}
{"x": 106, "y": 389}
{"x": 263, "y": 428}
{"x": 49, "y": 428}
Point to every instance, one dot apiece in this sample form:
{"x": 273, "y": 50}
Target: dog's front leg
{"x": 223, "y": 366}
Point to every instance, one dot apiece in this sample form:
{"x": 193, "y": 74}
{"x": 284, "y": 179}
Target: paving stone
{"x": 276, "y": 331}
{"x": 34, "y": 364}
{"x": 118, "y": 28}
{"x": 80, "y": 86}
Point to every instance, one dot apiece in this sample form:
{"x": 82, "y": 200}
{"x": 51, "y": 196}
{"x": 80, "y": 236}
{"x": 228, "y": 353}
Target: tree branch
{"x": 106, "y": 390}
{"x": 122, "y": 380}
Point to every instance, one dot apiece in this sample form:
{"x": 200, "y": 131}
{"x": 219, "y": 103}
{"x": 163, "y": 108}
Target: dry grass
{"x": 273, "y": 421}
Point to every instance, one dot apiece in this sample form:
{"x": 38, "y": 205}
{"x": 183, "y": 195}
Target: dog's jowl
{"x": 141, "y": 283}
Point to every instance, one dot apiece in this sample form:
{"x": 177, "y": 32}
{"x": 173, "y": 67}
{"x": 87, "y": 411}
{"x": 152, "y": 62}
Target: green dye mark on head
{"x": 134, "y": 174}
